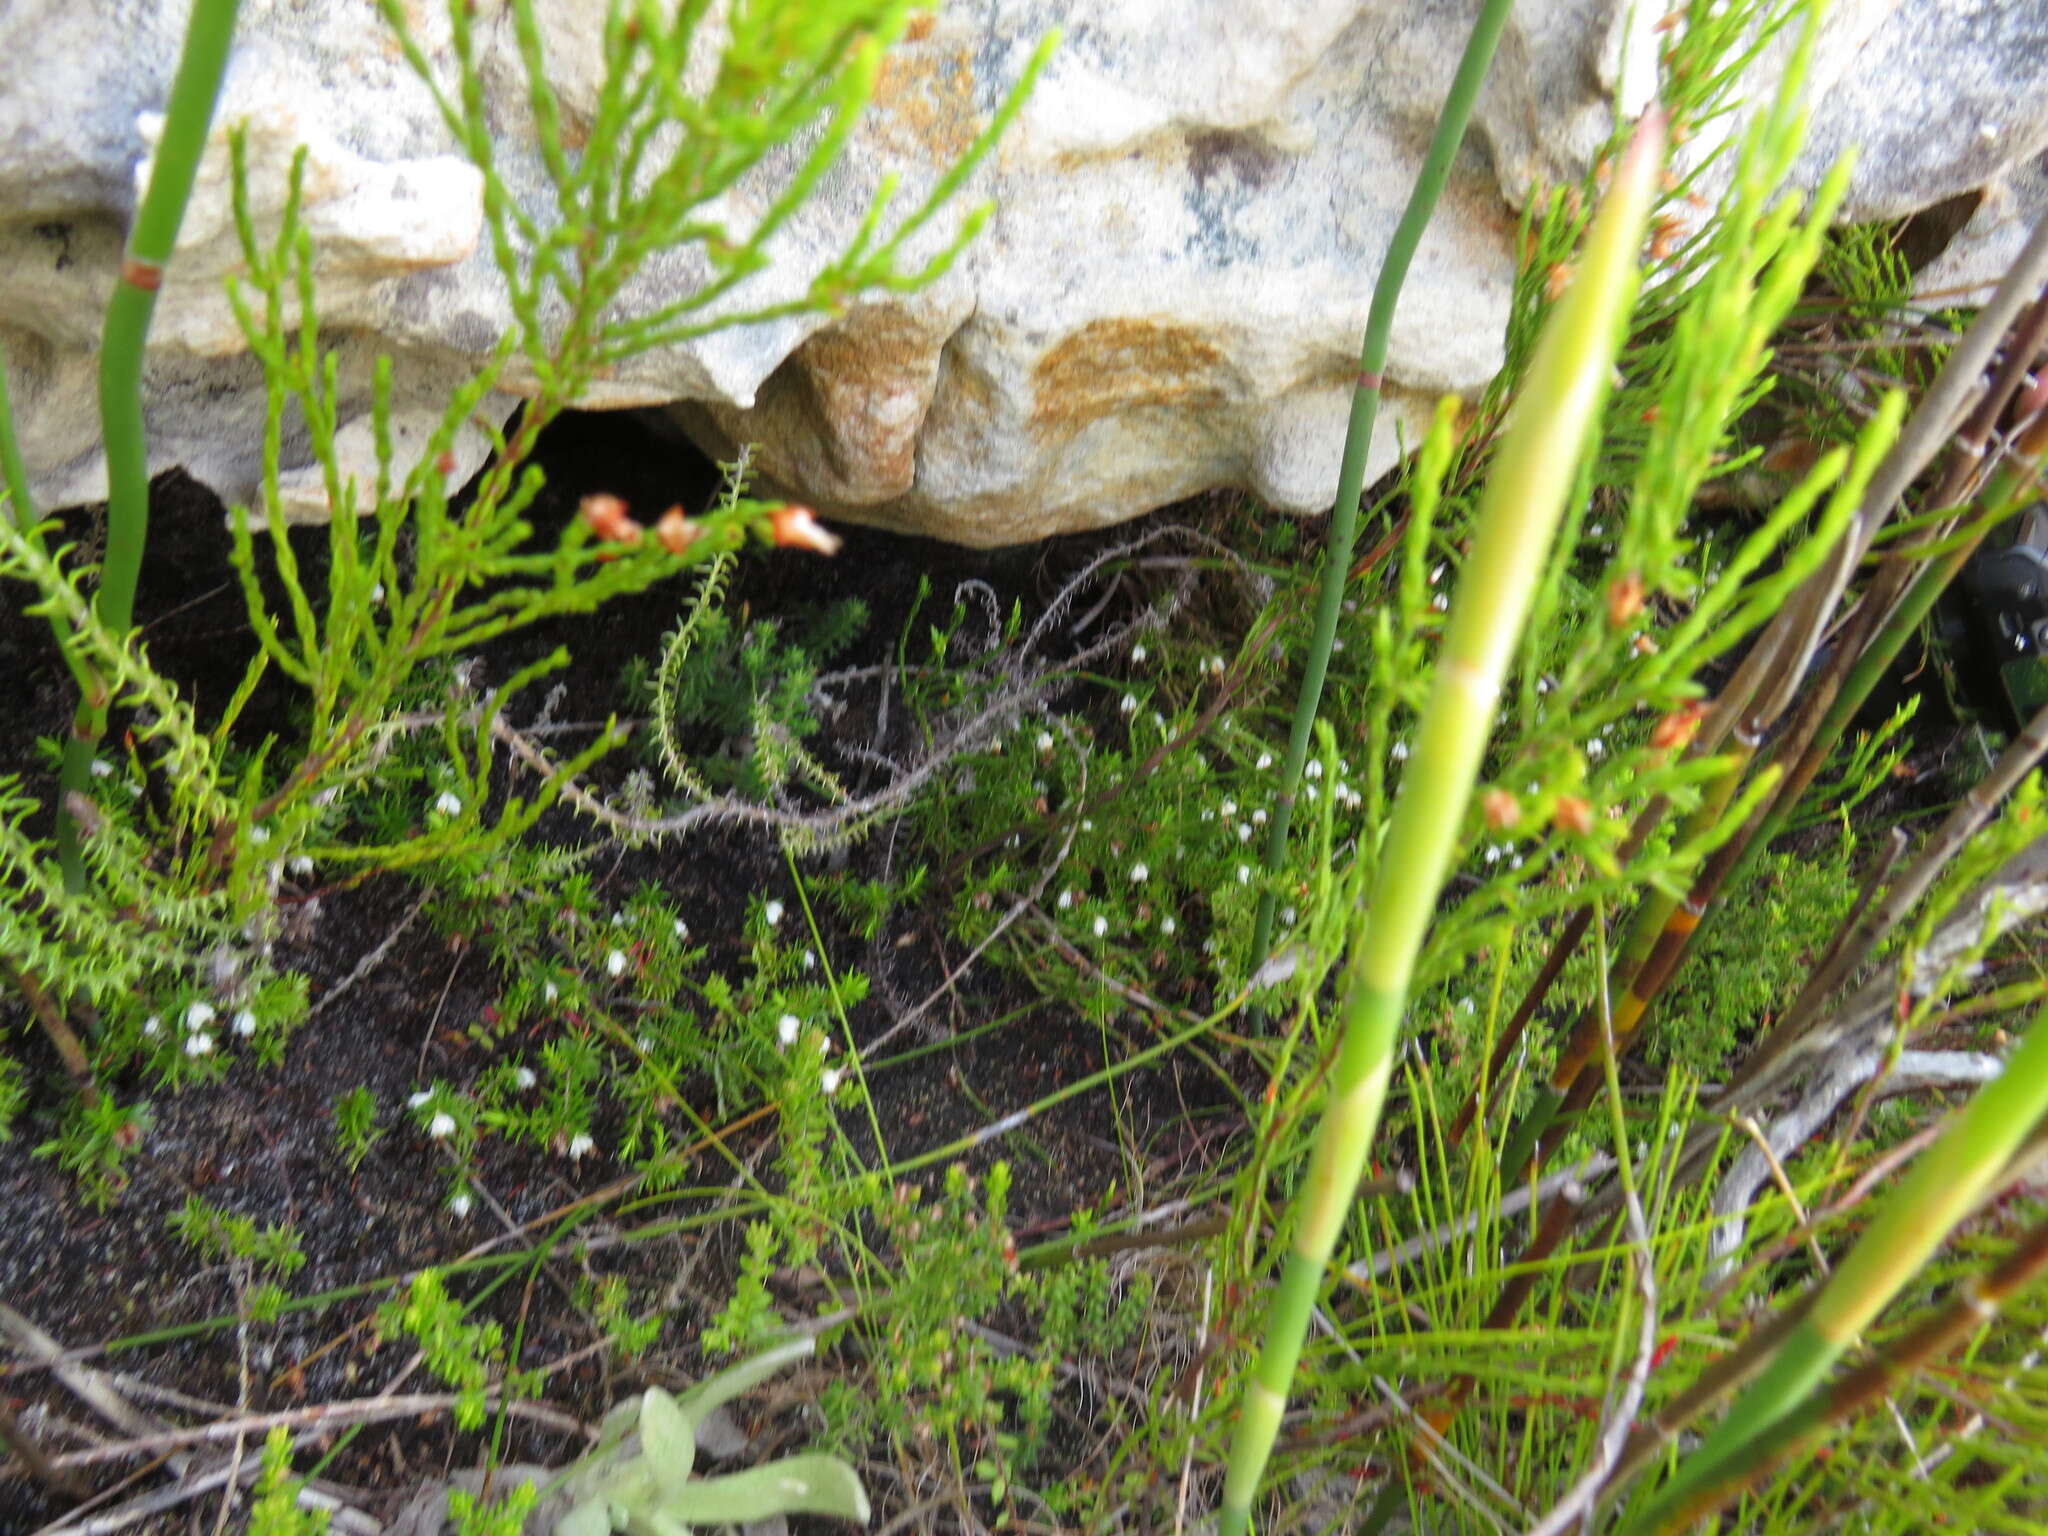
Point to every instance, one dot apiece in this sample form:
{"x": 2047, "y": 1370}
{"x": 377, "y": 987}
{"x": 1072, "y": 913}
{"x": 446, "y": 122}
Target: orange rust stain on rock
{"x": 1116, "y": 365}
{"x": 923, "y": 105}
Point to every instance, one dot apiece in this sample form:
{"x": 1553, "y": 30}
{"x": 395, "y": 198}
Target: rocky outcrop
{"x": 1191, "y": 213}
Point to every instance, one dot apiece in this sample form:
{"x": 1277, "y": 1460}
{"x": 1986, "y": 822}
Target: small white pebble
{"x": 615, "y": 963}
{"x": 448, "y": 803}
{"x": 524, "y": 1077}
{"x": 787, "y": 1028}
{"x": 199, "y": 1015}
{"x": 581, "y": 1145}
{"x": 773, "y": 912}
{"x": 442, "y": 1126}
{"x": 198, "y": 1043}
{"x": 459, "y": 1203}
{"x": 245, "y": 1023}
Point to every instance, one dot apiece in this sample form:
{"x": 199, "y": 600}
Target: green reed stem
{"x": 1559, "y": 400}
{"x": 1943, "y": 1187}
{"x": 1365, "y": 406}
{"x": 188, "y": 117}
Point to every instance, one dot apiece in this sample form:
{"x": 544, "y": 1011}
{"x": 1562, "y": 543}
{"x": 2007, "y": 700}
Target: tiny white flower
{"x": 448, "y": 803}
{"x": 442, "y": 1126}
{"x": 1437, "y": 575}
{"x": 1244, "y": 831}
{"x": 1311, "y": 791}
{"x": 1399, "y": 752}
{"x": 1128, "y": 704}
{"x": 1517, "y": 864}
{"x": 259, "y": 835}
{"x": 1596, "y": 529}
{"x": 302, "y": 864}
{"x": 1087, "y": 825}
{"x": 1287, "y": 916}
{"x": 1259, "y": 817}
{"x": 198, "y": 1044}
{"x": 1167, "y": 926}
{"x": 810, "y": 960}
{"x": 1140, "y": 872}
{"x": 1313, "y": 768}
{"x": 1244, "y": 874}
{"x": 377, "y": 593}
{"x": 151, "y": 1025}
{"x": 1044, "y": 741}
{"x": 1066, "y": 900}
{"x": 1215, "y": 666}
{"x": 787, "y": 1027}
{"x": 682, "y": 929}
{"x": 1465, "y": 1005}
{"x": 101, "y": 768}
{"x": 1440, "y": 603}
{"x": 615, "y": 963}
{"x": 1100, "y": 926}
{"x": 1493, "y": 853}
{"x": 1595, "y": 746}
{"x": 1228, "y": 808}
{"x": 1138, "y": 651}
{"x": 459, "y": 1203}
{"x": 199, "y": 1015}
{"x": 245, "y": 1023}
{"x": 1158, "y": 721}
{"x": 524, "y": 1077}
{"x": 1265, "y": 761}
{"x": 829, "y": 1080}
{"x": 419, "y": 1100}
{"x": 581, "y": 1145}
{"x": 618, "y": 918}
{"x": 773, "y": 912}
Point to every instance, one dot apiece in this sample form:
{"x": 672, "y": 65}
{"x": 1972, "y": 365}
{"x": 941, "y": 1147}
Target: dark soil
{"x": 118, "y": 1290}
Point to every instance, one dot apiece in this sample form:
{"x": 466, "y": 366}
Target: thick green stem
{"x": 1559, "y": 400}
{"x": 1942, "y": 1189}
{"x": 188, "y": 117}
{"x": 1365, "y": 405}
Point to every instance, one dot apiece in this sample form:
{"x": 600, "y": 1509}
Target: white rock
{"x": 1192, "y": 211}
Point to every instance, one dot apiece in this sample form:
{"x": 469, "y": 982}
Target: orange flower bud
{"x": 798, "y": 527}
{"x": 606, "y": 515}
{"x": 1624, "y": 598}
{"x": 1502, "y": 809}
{"x": 676, "y": 532}
{"x": 1574, "y": 814}
{"x": 1678, "y": 727}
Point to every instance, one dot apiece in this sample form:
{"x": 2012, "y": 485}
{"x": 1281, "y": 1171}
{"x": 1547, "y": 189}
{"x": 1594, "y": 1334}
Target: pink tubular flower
{"x": 606, "y": 514}
{"x": 799, "y": 527}
{"x": 676, "y": 532}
